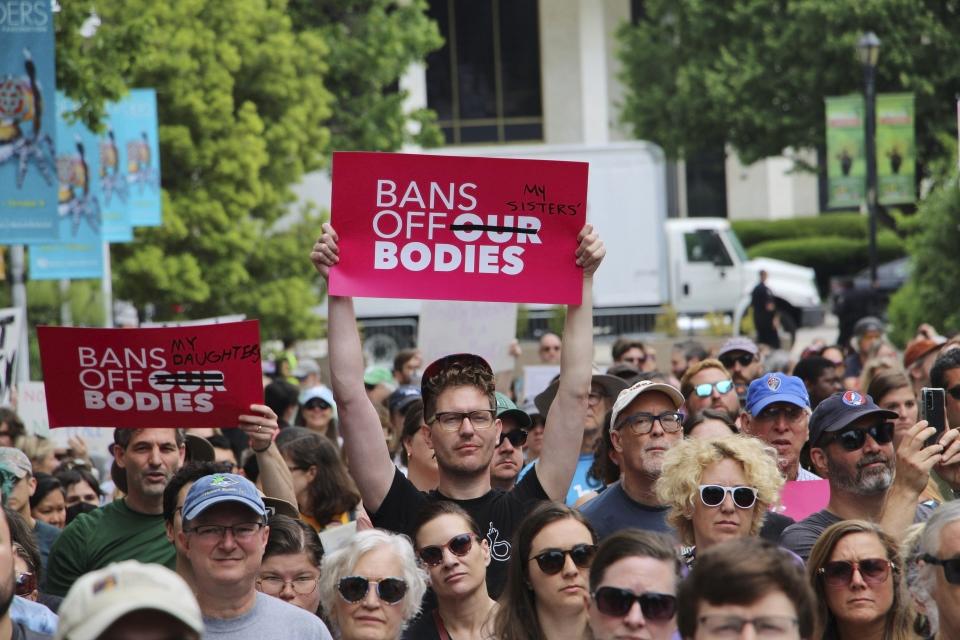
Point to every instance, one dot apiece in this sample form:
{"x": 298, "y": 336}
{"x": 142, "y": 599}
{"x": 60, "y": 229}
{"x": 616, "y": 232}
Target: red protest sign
{"x": 457, "y": 228}
{"x": 196, "y": 376}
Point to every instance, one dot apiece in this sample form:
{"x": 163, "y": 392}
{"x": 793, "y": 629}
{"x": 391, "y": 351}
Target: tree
{"x": 754, "y": 73}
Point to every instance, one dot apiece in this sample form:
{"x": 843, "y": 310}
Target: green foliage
{"x": 558, "y": 317}
{"x": 829, "y": 255}
{"x": 932, "y": 292}
{"x": 666, "y": 322}
{"x": 753, "y": 73}
{"x": 752, "y": 232}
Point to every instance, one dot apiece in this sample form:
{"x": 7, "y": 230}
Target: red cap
{"x": 917, "y": 349}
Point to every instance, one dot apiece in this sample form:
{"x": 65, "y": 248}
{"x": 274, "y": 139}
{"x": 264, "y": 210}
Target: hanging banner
{"x": 79, "y": 251}
{"x": 846, "y": 165}
{"x": 189, "y": 377}
{"x": 457, "y": 228}
{"x": 896, "y": 149}
{"x": 11, "y": 337}
{"x": 28, "y": 176}
{"x": 133, "y": 123}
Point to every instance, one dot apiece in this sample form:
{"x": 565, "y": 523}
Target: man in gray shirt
{"x": 224, "y": 536}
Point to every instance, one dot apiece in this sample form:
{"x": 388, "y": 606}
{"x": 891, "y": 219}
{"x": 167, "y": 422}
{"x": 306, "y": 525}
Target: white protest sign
{"x": 32, "y": 409}
{"x": 537, "y": 377}
{"x": 483, "y": 328}
{"x": 237, "y": 317}
{"x": 11, "y": 327}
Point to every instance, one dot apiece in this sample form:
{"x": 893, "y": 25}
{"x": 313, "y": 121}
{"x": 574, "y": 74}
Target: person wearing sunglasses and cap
{"x": 371, "y": 587}
{"x": 224, "y": 536}
{"x": 939, "y": 570}
{"x": 741, "y": 357}
{"x": 718, "y": 489}
{"x": 453, "y": 551}
{"x": 851, "y": 445}
{"x": 633, "y": 587}
{"x": 508, "y": 456}
{"x": 462, "y": 427}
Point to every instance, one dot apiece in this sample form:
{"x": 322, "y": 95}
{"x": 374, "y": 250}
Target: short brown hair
{"x": 686, "y": 387}
{"x": 742, "y": 571}
{"x": 457, "y": 372}
{"x": 622, "y": 345}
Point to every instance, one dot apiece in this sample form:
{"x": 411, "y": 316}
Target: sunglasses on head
{"x": 704, "y": 390}
{"x": 551, "y": 561}
{"x": 951, "y": 567}
{"x": 612, "y": 601}
{"x": 713, "y": 495}
{"x": 854, "y": 438}
{"x": 353, "y": 589}
{"x": 316, "y": 404}
{"x": 839, "y": 573}
{"x": 517, "y": 438}
{"x": 458, "y": 545}
{"x": 745, "y": 360}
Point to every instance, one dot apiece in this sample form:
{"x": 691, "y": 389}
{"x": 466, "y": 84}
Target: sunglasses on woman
{"x": 839, "y": 573}
{"x": 615, "y": 602}
{"x": 353, "y": 589}
{"x": 458, "y": 545}
{"x": 854, "y": 439}
{"x": 951, "y": 567}
{"x": 316, "y": 404}
{"x": 713, "y": 495}
{"x": 551, "y": 561}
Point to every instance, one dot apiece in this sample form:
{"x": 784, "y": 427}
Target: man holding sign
{"x": 461, "y": 423}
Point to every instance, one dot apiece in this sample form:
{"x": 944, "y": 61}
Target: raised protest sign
{"x": 201, "y": 376}
{"x": 457, "y": 228}
{"x": 799, "y": 499}
{"x": 483, "y": 328}
{"x": 11, "y": 337}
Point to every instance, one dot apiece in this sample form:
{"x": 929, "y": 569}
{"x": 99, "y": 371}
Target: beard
{"x": 862, "y": 482}
{"x": 6, "y": 593}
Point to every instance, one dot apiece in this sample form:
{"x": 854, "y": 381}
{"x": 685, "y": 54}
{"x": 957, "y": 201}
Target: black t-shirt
{"x": 498, "y": 513}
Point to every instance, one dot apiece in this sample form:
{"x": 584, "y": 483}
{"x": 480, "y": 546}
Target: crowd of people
{"x": 419, "y": 502}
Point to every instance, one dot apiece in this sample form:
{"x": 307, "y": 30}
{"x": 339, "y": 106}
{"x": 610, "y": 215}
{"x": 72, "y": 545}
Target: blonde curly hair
{"x": 684, "y": 464}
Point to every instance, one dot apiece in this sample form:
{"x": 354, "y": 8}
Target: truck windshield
{"x": 737, "y": 247}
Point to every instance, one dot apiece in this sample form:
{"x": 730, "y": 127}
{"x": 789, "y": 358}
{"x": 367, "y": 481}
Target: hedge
{"x": 843, "y": 225}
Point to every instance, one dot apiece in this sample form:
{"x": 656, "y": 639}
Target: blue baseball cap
{"x": 403, "y": 397}
{"x": 775, "y": 387}
{"x": 840, "y": 410}
{"x": 219, "y": 488}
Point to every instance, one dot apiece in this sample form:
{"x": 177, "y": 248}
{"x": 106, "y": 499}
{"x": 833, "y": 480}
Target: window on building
{"x": 484, "y": 83}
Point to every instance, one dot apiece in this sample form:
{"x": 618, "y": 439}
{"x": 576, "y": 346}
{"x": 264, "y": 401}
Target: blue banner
{"x": 28, "y": 176}
{"x": 79, "y": 252}
{"x": 134, "y": 123}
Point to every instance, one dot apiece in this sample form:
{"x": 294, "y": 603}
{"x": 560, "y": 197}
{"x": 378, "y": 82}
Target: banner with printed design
{"x": 189, "y": 377}
{"x": 11, "y": 337}
{"x": 28, "y": 174}
{"x": 846, "y": 163}
{"x": 896, "y": 149}
{"x": 134, "y": 143}
{"x": 457, "y": 228}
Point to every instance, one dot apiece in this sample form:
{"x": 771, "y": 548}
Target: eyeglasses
{"x": 745, "y": 360}
{"x": 839, "y": 573}
{"x": 274, "y": 585}
{"x": 951, "y": 567}
{"x": 954, "y": 392}
{"x": 595, "y": 397}
{"x": 353, "y": 589}
{"x": 458, "y": 545}
{"x": 315, "y": 404}
{"x": 713, "y": 495}
{"x": 517, "y": 438}
{"x": 243, "y": 532}
{"x": 706, "y": 389}
{"x": 854, "y": 439}
{"x": 551, "y": 561}
{"x": 792, "y": 413}
{"x": 451, "y": 420}
{"x": 26, "y": 584}
{"x": 612, "y": 601}
{"x": 642, "y": 423}
{"x": 769, "y": 627}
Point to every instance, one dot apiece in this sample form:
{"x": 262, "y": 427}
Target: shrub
{"x": 845, "y": 225}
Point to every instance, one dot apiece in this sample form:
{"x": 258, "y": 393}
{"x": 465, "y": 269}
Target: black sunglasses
{"x": 951, "y": 567}
{"x": 316, "y": 404}
{"x": 713, "y": 495}
{"x": 353, "y": 589}
{"x": 458, "y": 545}
{"x": 745, "y": 360}
{"x": 551, "y": 561}
{"x": 854, "y": 439}
{"x": 517, "y": 438}
{"x": 612, "y": 601}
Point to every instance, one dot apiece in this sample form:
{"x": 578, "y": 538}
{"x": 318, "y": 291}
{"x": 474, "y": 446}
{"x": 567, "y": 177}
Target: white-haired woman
{"x": 371, "y": 587}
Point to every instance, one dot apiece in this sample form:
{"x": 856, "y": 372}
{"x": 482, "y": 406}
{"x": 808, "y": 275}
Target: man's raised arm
{"x": 367, "y": 453}
{"x": 565, "y": 421}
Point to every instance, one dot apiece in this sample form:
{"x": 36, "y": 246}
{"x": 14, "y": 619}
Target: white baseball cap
{"x": 100, "y": 598}
{"x": 644, "y": 386}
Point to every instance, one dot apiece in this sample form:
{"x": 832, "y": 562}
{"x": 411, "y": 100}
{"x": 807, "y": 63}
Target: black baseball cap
{"x": 840, "y": 410}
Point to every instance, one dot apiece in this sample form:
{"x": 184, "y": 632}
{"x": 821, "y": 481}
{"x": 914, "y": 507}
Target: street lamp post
{"x": 868, "y": 51}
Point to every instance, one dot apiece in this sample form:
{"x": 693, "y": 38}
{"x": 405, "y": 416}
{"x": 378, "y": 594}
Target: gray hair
{"x": 341, "y": 563}
{"x": 929, "y": 543}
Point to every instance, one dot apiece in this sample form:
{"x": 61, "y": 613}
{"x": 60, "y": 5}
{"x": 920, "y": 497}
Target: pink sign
{"x": 457, "y": 228}
{"x": 195, "y": 376}
{"x": 801, "y": 498}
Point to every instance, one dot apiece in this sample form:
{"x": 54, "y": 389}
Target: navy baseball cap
{"x": 219, "y": 488}
{"x": 840, "y": 410}
{"x": 775, "y": 387}
{"x": 402, "y": 397}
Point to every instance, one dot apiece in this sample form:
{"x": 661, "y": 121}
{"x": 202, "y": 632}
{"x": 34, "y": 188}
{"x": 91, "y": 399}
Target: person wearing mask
{"x": 47, "y": 503}
{"x": 546, "y": 595}
{"x": 290, "y": 569}
{"x": 79, "y": 485}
